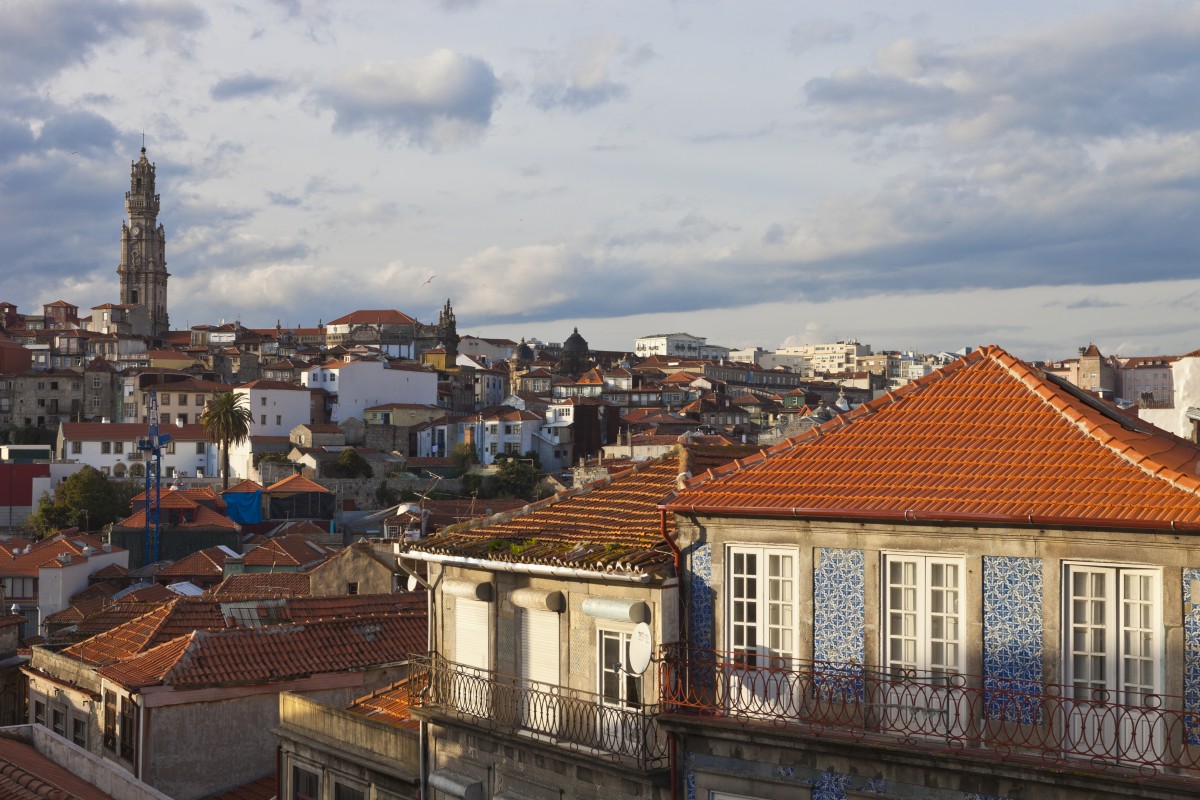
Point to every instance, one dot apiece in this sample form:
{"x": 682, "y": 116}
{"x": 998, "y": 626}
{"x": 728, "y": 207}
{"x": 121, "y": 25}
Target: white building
{"x": 841, "y": 356}
{"x": 275, "y": 408}
{"x": 112, "y": 448}
{"x": 354, "y": 386}
{"x": 1182, "y": 416}
{"x": 509, "y": 432}
{"x": 683, "y": 345}
{"x": 756, "y": 355}
{"x": 489, "y": 350}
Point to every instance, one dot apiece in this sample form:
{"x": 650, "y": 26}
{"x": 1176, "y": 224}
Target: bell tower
{"x": 143, "y": 267}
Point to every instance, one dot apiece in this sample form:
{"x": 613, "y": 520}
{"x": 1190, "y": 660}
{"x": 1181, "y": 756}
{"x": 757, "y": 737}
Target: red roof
{"x": 276, "y": 653}
{"x": 984, "y": 439}
{"x": 16, "y": 483}
{"x": 248, "y": 486}
{"x": 26, "y": 774}
{"x": 296, "y": 483}
{"x": 173, "y": 619}
{"x": 128, "y": 431}
{"x": 385, "y": 316}
{"x": 393, "y": 704}
{"x": 287, "y": 551}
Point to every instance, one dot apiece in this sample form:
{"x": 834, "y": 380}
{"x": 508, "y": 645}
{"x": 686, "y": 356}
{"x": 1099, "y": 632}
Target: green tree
{"x": 385, "y": 496}
{"x": 86, "y": 499}
{"x": 350, "y": 464}
{"x": 462, "y": 456}
{"x": 516, "y": 477}
{"x": 226, "y": 420}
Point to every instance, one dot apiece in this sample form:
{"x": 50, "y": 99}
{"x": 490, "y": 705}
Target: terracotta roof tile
{"x": 160, "y": 624}
{"x": 275, "y": 653}
{"x": 609, "y": 525}
{"x": 287, "y": 551}
{"x": 249, "y": 585}
{"x": 296, "y": 483}
{"x": 27, "y": 774}
{"x": 393, "y": 704}
{"x": 208, "y": 562}
{"x": 987, "y": 438}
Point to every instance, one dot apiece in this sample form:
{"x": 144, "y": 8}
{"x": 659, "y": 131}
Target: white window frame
{"x": 922, "y": 613}
{"x": 765, "y": 626}
{"x": 620, "y": 728}
{"x": 1099, "y": 649}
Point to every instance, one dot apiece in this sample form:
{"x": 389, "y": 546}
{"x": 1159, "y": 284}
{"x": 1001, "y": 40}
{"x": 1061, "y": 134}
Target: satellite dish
{"x": 641, "y": 646}
{"x": 413, "y": 583}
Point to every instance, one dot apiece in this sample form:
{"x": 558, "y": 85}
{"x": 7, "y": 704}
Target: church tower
{"x": 143, "y": 267}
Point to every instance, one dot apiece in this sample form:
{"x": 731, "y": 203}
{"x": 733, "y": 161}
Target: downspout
{"x": 141, "y": 751}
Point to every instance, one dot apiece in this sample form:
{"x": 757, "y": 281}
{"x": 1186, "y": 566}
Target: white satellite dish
{"x": 413, "y": 583}
{"x": 641, "y": 647}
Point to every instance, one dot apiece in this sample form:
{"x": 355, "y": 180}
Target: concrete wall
{"x": 349, "y": 748}
{"x": 104, "y": 776}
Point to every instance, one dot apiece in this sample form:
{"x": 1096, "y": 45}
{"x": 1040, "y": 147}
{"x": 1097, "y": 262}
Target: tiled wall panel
{"x": 1012, "y": 638}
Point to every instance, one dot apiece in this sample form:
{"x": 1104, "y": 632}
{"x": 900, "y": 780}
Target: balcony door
{"x": 1113, "y": 644}
{"x": 620, "y": 719}
{"x": 538, "y": 665}
{"x": 471, "y": 685}
{"x": 920, "y": 691}
{"x": 761, "y": 630}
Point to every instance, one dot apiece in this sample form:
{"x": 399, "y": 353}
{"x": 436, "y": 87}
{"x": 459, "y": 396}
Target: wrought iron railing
{"x": 1088, "y": 728}
{"x": 577, "y": 720}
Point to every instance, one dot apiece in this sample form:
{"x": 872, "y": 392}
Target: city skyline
{"x": 1025, "y": 175}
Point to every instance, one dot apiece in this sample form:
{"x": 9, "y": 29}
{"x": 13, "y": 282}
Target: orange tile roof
{"x": 275, "y": 653}
{"x": 984, "y": 439}
{"x": 250, "y": 585}
{"x": 387, "y": 316}
{"x": 310, "y": 608}
{"x": 393, "y": 704}
{"x": 296, "y": 483}
{"x": 244, "y": 486}
{"x": 27, "y": 774}
{"x": 287, "y": 551}
{"x": 609, "y": 525}
{"x": 45, "y": 553}
{"x": 169, "y": 621}
{"x": 209, "y": 561}
{"x": 205, "y": 517}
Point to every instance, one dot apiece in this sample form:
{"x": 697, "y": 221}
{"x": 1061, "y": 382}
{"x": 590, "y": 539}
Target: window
{"x": 118, "y": 447}
{"x": 1113, "y": 653}
{"x": 199, "y": 399}
{"x": 95, "y": 402}
{"x": 200, "y": 448}
{"x": 352, "y": 587}
{"x": 762, "y": 604}
{"x": 110, "y": 721}
{"x": 58, "y": 721}
{"x": 620, "y": 690}
{"x": 263, "y": 419}
{"x": 262, "y": 401}
{"x": 164, "y": 418}
{"x": 922, "y": 614}
{"x": 76, "y": 448}
{"x": 54, "y": 386}
{"x": 39, "y": 712}
{"x": 183, "y": 399}
{"x": 171, "y": 448}
{"x": 343, "y": 792}
{"x": 95, "y": 382}
{"x": 305, "y": 785}
{"x": 278, "y": 419}
{"x": 126, "y": 729}
{"x": 166, "y": 399}
{"x": 79, "y": 732}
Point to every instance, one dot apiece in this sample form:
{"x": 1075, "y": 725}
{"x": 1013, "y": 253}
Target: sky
{"x": 920, "y": 175}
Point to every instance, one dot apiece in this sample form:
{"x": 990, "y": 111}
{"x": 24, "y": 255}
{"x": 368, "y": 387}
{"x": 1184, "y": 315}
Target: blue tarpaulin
{"x": 244, "y": 506}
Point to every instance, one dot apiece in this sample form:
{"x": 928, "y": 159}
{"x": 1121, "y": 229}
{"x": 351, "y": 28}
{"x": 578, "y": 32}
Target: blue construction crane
{"x": 152, "y": 444}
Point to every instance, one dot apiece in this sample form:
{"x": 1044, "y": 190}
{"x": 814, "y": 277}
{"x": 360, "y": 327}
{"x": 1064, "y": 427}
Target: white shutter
{"x": 471, "y": 633}
{"x": 539, "y": 648}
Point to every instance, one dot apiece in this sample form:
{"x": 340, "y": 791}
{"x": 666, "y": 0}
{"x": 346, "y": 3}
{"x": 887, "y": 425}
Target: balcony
{"x": 1015, "y": 721}
{"x": 578, "y": 721}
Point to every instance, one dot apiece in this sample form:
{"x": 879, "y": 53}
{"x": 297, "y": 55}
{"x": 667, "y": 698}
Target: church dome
{"x": 575, "y": 343}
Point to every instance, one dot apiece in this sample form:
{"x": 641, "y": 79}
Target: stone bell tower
{"x": 143, "y": 267}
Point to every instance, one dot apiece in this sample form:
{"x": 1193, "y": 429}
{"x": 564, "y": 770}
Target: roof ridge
{"x": 1030, "y": 378}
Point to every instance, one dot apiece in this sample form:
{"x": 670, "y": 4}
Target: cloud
{"x": 39, "y": 39}
{"x": 1102, "y": 75}
{"x": 582, "y": 76}
{"x": 248, "y": 85}
{"x": 443, "y": 100}
{"x": 815, "y": 33}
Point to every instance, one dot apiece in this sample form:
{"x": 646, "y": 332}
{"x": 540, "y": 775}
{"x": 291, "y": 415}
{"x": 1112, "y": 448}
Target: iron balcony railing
{"x": 1085, "y": 727}
{"x": 580, "y": 721}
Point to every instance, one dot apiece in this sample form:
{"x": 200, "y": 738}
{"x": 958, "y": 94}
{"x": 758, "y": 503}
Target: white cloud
{"x": 443, "y": 100}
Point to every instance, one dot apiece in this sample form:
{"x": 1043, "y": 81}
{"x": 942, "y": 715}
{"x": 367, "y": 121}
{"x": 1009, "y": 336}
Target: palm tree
{"x": 226, "y": 420}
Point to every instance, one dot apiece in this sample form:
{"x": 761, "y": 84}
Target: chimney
{"x": 106, "y": 547}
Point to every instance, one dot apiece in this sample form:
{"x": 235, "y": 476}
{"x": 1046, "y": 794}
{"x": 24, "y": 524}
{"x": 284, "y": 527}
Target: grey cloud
{"x": 1097, "y": 76}
{"x": 79, "y": 131}
{"x": 582, "y": 76}
{"x": 247, "y": 85}
{"x": 38, "y": 38}
{"x": 814, "y": 33}
{"x": 279, "y": 199}
{"x": 443, "y": 100}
